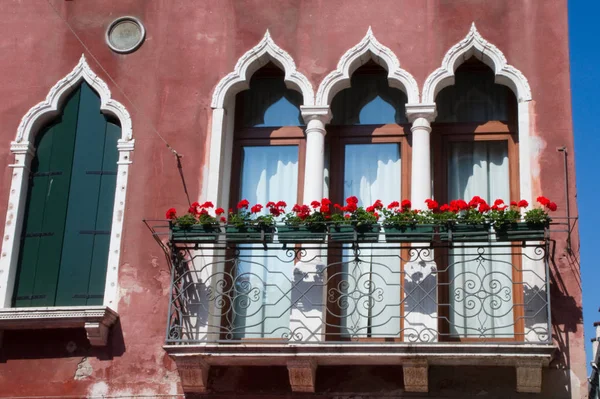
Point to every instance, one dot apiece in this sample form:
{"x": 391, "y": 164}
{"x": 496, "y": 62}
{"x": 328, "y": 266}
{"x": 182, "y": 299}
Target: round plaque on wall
{"x": 125, "y": 34}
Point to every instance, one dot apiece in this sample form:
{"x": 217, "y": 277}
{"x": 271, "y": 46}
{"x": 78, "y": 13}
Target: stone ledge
{"x": 96, "y": 320}
{"x": 302, "y": 360}
{"x": 368, "y": 354}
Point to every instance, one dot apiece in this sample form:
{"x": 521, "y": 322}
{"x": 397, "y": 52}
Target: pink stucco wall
{"x": 190, "y": 45}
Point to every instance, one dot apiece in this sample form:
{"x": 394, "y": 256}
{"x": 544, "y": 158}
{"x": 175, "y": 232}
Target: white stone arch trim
{"x": 367, "y": 49}
{"x": 255, "y": 58}
{"x": 475, "y": 45}
{"x": 23, "y": 150}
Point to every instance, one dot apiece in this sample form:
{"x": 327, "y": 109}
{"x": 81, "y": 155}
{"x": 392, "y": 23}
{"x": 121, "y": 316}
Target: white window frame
{"x": 95, "y": 318}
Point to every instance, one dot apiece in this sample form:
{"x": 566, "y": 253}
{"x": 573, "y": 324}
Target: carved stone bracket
{"x": 302, "y": 375}
{"x": 193, "y": 372}
{"x": 416, "y": 375}
{"x": 529, "y": 377}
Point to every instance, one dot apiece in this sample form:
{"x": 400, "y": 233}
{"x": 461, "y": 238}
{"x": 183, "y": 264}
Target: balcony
{"x": 461, "y": 300}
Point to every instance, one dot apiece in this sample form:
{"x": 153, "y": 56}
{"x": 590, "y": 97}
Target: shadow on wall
{"x": 566, "y": 315}
{"x": 58, "y": 343}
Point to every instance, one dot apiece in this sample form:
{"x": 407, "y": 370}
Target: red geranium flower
{"x": 405, "y": 204}
{"x": 315, "y": 204}
{"x": 243, "y": 204}
{"x": 378, "y": 204}
{"x": 352, "y": 200}
{"x": 270, "y": 204}
{"x": 256, "y": 208}
{"x": 223, "y": 219}
{"x": 431, "y": 204}
{"x": 325, "y": 201}
{"x": 552, "y": 206}
{"x": 194, "y": 208}
{"x": 515, "y": 203}
{"x": 543, "y": 200}
{"x": 394, "y": 204}
{"x": 207, "y": 204}
{"x": 498, "y": 202}
{"x": 281, "y": 204}
{"x": 171, "y": 213}
{"x": 483, "y": 207}
{"x": 219, "y": 211}
{"x": 444, "y": 208}
{"x": 523, "y": 204}
{"x": 370, "y": 209}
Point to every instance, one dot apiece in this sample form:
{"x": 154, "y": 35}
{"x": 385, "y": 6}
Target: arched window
{"x": 69, "y": 208}
{"x": 368, "y": 158}
{"x": 476, "y": 153}
{"x": 268, "y": 154}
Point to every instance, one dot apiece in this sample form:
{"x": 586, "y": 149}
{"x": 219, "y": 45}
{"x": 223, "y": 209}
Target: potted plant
{"x": 464, "y": 222}
{"x": 355, "y": 223}
{"x": 305, "y": 225}
{"x": 535, "y": 221}
{"x": 403, "y": 224}
{"x": 197, "y": 225}
{"x": 251, "y": 226}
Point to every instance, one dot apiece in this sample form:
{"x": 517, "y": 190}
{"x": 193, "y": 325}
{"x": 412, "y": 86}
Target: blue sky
{"x": 584, "y": 36}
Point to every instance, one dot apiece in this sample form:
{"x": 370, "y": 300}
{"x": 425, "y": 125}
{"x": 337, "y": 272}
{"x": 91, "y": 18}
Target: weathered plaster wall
{"x": 168, "y": 84}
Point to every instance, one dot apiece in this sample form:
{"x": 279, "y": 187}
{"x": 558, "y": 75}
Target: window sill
{"x": 96, "y": 320}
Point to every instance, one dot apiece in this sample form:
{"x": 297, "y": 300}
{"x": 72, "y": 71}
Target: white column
{"x": 23, "y": 152}
{"x": 316, "y": 118}
{"x": 421, "y": 116}
{"x": 420, "y": 273}
{"x": 308, "y": 321}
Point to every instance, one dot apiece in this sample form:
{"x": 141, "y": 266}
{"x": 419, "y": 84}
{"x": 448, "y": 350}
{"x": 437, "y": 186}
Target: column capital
{"x": 320, "y": 113}
{"x": 22, "y": 147}
{"x": 425, "y": 111}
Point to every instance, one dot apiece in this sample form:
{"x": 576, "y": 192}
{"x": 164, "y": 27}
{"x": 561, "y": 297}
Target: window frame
{"x": 96, "y": 319}
{"x": 443, "y": 135}
{"x": 338, "y": 136}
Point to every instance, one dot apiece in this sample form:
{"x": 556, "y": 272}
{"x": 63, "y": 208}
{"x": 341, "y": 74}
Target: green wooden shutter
{"x": 86, "y": 238}
{"x": 69, "y": 209}
{"x": 45, "y": 210}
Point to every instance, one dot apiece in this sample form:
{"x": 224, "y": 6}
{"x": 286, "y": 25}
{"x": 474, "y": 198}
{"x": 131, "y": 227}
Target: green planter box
{"x": 195, "y": 233}
{"x": 345, "y": 233}
{"x": 300, "y": 234}
{"x": 465, "y": 233}
{"x": 520, "y": 231}
{"x": 249, "y": 234}
{"x": 412, "y": 233}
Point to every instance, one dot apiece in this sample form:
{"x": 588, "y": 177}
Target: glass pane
{"x": 474, "y": 97}
{"x": 370, "y": 300}
{"x": 480, "y": 282}
{"x": 369, "y": 101}
{"x": 262, "y": 300}
{"x": 269, "y": 103}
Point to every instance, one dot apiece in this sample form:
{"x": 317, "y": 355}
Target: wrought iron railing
{"x": 274, "y": 293}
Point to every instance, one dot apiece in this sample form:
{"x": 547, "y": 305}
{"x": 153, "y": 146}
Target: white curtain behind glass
{"x": 480, "y": 287}
{"x": 263, "y": 283}
{"x": 372, "y": 298}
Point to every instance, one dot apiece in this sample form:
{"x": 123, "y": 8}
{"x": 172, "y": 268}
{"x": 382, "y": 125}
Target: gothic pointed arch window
{"x": 369, "y": 159}
{"x": 268, "y": 165}
{"x": 476, "y": 153}
{"x": 68, "y": 214}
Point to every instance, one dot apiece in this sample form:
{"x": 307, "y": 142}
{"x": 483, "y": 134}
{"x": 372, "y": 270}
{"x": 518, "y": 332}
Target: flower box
{"x": 465, "y": 232}
{"x": 410, "y": 233}
{"x": 300, "y": 234}
{"x": 351, "y": 233}
{"x": 520, "y": 231}
{"x": 196, "y": 232}
{"x": 249, "y": 233}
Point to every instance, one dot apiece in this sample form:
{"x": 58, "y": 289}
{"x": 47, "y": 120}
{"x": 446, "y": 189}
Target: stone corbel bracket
{"x": 97, "y": 320}
{"x": 303, "y": 373}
